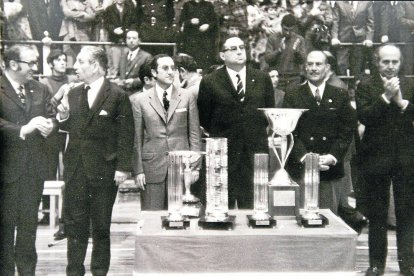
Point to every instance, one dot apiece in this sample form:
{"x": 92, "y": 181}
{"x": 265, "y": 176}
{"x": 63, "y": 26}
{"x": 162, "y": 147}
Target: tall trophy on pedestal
{"x": 175, "y": 218}
{"x": 283, "y": 191}
{"x": 260, "y": 217}
{"x": 217, "y": 186}
{"x": 311, "y": 216}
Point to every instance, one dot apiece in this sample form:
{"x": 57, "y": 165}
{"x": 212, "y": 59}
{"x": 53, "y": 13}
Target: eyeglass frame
{"x": 31, "y": 64}
{"x": 234, "y": 48}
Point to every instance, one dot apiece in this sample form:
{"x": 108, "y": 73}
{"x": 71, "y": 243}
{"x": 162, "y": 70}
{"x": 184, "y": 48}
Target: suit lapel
{"x": 10, "y": 92}
{"x": 308, "y": 98}
{"x": 250, "y": 84}
{"x": 131, "y": 64}
{"x": 348, "y": 10}
{"x": 29, "y": 97}
{"x": 175, "y": 99}
{"x": 227, "y": 82}
{"x": 100, "y": 99}
{"x": 156, "y": 104}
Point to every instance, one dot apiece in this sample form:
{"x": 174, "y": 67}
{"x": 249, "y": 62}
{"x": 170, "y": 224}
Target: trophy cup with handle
{"x": 191, "y": 204}
{"x": 283, "y": 191}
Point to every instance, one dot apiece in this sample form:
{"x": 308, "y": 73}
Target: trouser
{"x": 19, "y": 205}
{"x": 375, "y": 196}
{"x": 154, "y": 197}
{"x": 86, "y": 203}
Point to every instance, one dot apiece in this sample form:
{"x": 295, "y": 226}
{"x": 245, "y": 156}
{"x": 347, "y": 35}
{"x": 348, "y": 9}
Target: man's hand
{"x": 118, "y": 31}
{"x": 367, "y": 43}
{"x": 195, "y": 21}
{"x": 384, "y": 39}
{"x": 46, "y": 128}
{"x": 392, "y": 87}
{"x": 325, "y": 161}
{"x": 335, "y": 42}
{"x": 63, "y": 111}
{"x": 204, "y": 28}
{"x": 40, "y": 123}
{"x": 140, "y": 181}
{"x": 120, "y": 177}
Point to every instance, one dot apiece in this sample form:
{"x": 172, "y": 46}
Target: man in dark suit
{"x": 353, "y": 21}
{"x": 131, "y": 63}
{"x": 326, "y": 128}
{"x": 386, "y": 152}
{"x": 98, "y": 117}
{"x": 25, "y": 122}
{"x": 228, "y": 103}
{"x": 166, "y": 119}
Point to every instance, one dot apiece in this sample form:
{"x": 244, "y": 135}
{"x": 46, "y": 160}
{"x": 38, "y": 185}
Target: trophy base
{"x": 191, "y": 209}
{"x": 320, "y": 221}
{"x": 208, "y": 223}
{"x": 284, "y": 200}
{"x": 261, "y": 223}
{"x": 181, "y": 224}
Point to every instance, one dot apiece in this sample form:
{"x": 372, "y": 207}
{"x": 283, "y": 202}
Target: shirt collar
{"x": 133, "y": 53}
{"x": 320, "y": 87}
{"x": 14, "y": 83}
{"x": 160, "y": 92}
{"x": 97, "y": 84}
{"x": 233, "y": 73}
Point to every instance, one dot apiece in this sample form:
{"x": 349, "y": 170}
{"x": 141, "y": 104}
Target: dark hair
{"x": 154, "y": 61}
{"x": 289, "y": 20}
{"x": 97, "y": 54}
{"x": 186, "y": 61}
{"x": 13, "y": 53}
{"x": 54, "y": 54}
{"x": 145, "y": 71}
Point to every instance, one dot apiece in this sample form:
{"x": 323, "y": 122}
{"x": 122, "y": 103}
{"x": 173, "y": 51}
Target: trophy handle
{"x": 275, "y": 151}
{"x": 292, "y": 142}
{"x": 285, "y": 157}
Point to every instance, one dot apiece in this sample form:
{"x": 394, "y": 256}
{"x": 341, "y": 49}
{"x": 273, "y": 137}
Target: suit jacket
{"x": 193, "y": 85}
{"x": 223, "y": 115}
{"x": 100, "y": 138}
{"x": 349, "y": 26}
{"x": 19, "y": 155}
{"x": 389, "y": 132}
{"x": 398, "y": 21}
{"x": 130, "y": 70}
{"x": 158, "y": 132}
{"x": 114, "y": 19}
{"x": 325, "y": 129}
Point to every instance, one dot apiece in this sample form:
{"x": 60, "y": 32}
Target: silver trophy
{"x": 191, "y": 204}
{"x": 283, "y": 191}
{"x": 217, "y": 186}
{"x": 311, "y": 216}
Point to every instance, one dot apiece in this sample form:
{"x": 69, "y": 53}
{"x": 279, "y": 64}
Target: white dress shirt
{"x": 95, "y": 87}
{"x": 132, "y": 54}
{"x": 242, "y": 74}
{"x": 321, "y": 89}
{"x": 160, "y": 93}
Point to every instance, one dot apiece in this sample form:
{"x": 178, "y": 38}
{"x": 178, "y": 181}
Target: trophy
{"x": 217, "y": 188}
{"x": 175, "y": 218}
{"x": 191, "y": 204}
{"x": 311, "y": 216}
{"x": 283, "y": 191}
{"x": 260, "y": 217}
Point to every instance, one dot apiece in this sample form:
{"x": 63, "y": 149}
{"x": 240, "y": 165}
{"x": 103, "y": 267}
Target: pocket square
{"x": 181, "y": 109}
{"x": 103, "y": 113}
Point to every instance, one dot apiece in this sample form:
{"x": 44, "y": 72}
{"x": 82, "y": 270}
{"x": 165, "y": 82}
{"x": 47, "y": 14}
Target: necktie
{"x": 21, "y": 95}
{"x": 165, "y": 101}
{"x": 240, "y": 89}
{"x": 85, "y": 94}
{"x": 318, "y": 97}
{"x": 129, "y": 56}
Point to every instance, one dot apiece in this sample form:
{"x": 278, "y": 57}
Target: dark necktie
{"x": 165, "y": 101}
{"x": 21, "y": 95}
{"x": 85, "y": 96}
{"x": 240, "y": 89}
{"x": 318, "y": 97}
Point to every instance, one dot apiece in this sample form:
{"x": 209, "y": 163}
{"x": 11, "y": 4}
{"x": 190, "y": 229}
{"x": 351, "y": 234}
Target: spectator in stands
{"x": 77, "y": 25}
{"x": 166, "y": 119}
{"x": 131, "y": 63}
{"x": 397, "y": 25}
{"x": 273, "y": 16}
{"x": 297, "y": 9}
{"x": 25, "y": 122}
{"x": 385, "y": 107}
{"x": 187, "y": 70}
{"x": 17, "y": 25}
{"x": 279, "y": 94}
{"x": 318, "y": 25}
{"x": 198, "y": 23}
{"x": 159, "y": 24}
{"x": 326, "y": 128}
{"x": 353, "y": 22}
{"x": 98, "y": 157}
{"x": 286, "y": 51}
{"x": 118, "y": 19}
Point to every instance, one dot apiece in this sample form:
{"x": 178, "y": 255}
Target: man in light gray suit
{"x": 166, "y": 119}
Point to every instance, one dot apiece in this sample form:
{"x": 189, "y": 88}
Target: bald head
{"x": 389, "y": 60}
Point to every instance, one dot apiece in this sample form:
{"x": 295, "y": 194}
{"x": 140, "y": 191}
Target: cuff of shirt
{"x": 21, "y": 135}
{"x": 60, "y": 120}
{"x": 406, "y": 103}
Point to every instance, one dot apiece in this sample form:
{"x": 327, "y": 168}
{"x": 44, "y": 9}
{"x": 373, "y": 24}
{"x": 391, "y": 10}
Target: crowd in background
{"x": 198, "y": 26}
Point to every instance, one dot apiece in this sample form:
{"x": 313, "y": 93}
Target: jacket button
{"x": 311, "y": 138}
{"x": 324, "y": 138}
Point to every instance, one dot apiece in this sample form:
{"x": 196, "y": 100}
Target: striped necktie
{"x": 240, "y": 89}
{"x": 21, "y": 95}
{"x": 318, "y": 97}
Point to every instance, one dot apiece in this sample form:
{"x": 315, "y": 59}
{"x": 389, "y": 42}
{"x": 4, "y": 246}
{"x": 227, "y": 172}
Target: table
{"x": 54, "y": 189}
{"x": 288, "y": 247}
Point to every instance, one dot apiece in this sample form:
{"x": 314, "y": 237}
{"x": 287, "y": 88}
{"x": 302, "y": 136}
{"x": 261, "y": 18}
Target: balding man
{"x": 385, "y": 107}
{"x": 326, "y": 128}
{"x": 228, "y": 100}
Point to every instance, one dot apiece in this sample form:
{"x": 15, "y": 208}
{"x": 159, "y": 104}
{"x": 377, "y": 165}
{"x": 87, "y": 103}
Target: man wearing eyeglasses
{"x": 228, "y": 101}
{"x": 25, "y": 124}
{"x": 166, "y": 119}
